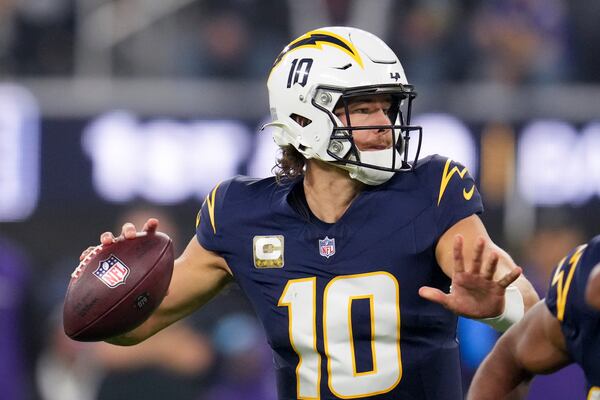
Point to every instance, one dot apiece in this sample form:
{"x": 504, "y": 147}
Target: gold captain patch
{"x": 268, "y": 251}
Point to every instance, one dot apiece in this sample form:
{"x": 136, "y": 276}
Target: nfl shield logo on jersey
{"x": 112, "y": 271}
{"x": 327, "y": 247}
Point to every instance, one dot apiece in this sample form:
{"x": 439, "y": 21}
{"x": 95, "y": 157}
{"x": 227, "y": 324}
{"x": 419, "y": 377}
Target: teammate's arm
{"x": 535, "y": 345}
{"x": 592, "y": 290}
{"x": 198, "y": 275}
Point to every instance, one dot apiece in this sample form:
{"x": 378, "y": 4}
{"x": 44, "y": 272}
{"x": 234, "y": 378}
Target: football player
{"x": 349, "y": 253}
{"x": 558, "y": 331}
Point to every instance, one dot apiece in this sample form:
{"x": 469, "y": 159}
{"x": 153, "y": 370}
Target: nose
{"x": 380, "y": 117}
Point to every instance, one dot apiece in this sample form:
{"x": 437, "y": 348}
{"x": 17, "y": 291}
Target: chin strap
{"x": 514, "y": 309}
{"x": 371, "y": 176}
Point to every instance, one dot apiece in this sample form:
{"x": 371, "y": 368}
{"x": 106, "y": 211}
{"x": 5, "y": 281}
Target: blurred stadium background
{"x": 117, "y": 109}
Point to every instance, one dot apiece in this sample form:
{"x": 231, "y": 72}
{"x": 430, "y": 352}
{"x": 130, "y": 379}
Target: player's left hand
{"x": 474, "y": 292}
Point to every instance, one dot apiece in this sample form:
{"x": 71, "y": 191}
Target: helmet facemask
{"x": 381, "y": 164}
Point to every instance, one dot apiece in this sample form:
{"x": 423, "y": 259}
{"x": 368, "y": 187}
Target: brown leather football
{"x": 117, "y": 287}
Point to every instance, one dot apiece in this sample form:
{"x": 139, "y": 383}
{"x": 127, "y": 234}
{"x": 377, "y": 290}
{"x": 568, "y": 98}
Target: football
{"x": 116, "y": 288}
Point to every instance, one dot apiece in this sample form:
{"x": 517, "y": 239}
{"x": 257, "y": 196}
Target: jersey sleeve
{"x": 566, "y": 290}
{"x": 211, "y": 220}
{"x": 456, "y": 195}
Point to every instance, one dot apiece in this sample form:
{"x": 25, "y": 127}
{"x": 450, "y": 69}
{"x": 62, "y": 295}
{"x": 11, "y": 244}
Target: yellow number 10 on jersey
{"x": 382, "y": 291}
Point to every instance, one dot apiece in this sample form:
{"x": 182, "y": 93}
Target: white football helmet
{"x": 324, "y": 69}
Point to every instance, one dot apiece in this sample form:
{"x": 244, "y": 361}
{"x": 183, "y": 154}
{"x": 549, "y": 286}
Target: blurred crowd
{"x": 505, "y": 41}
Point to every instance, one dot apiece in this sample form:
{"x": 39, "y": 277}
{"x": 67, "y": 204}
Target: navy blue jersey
{"x": 580, "y": 323}
{"x": 339, "y": 302}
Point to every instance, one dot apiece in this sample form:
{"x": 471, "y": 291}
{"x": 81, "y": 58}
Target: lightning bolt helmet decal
{"x": 317, "y": 39}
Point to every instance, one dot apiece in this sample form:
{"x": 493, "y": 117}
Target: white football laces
{"x": 75, "y": 274}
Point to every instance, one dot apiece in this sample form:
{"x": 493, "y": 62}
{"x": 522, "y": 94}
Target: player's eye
{"x": 360, "y": 109}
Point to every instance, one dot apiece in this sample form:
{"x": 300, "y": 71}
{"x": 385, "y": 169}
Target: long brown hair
{"x": 289, "y": 165}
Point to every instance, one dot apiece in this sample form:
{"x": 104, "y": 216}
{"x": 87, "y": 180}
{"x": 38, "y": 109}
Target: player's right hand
{"x": 128, "y": 231}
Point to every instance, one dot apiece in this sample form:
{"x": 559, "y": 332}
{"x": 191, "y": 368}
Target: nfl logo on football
{"x": 327, "y": 247}
{"x": 112, "y": 271}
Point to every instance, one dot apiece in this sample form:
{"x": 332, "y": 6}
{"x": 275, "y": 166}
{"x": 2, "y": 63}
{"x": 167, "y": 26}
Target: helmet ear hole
{"x": 300, "y": 120}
